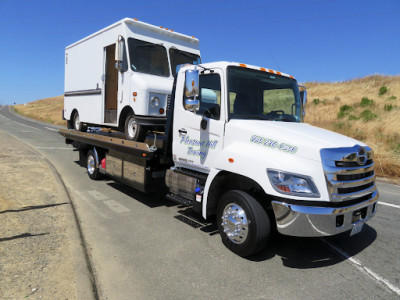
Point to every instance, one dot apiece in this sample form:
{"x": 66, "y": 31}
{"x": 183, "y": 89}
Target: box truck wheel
{"x": 134, "y": 131}
{"x": 243, "y": 224}
{"x": 91, "y": 168}
{"x": 78, "y": 124}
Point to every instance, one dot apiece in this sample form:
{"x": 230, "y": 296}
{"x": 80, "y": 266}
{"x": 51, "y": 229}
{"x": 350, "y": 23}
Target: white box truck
{"x": 121, "y": 76}
{"x": 235, "y": 146}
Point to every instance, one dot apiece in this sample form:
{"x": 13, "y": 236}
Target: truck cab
{"x": 241, "y": 126}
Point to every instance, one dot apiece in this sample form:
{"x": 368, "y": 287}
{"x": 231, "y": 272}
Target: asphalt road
{"x": 144, "y": 247}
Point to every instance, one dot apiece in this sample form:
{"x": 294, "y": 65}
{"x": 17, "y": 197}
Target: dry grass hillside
{"x": 367, "y": 109}
{"x": 46, "y": 110}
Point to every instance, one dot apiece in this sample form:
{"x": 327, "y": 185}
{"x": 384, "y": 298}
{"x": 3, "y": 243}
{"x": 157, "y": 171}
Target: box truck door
{"x": 198, "y": 135}
{"x": 111, "y": 86}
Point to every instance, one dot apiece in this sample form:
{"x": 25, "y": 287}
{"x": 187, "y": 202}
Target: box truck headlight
{"x": 292, "y": 184}
{"x": 155, "y": 102}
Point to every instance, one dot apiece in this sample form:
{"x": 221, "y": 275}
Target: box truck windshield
{"x": 179, "y": 57}
{"x": 148, "y": 57}
{"x": 152, "y": 58}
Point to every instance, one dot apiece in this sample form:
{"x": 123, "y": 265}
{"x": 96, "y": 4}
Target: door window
{"x": 210, "y": 96}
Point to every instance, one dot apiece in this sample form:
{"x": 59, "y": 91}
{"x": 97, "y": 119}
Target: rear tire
{"x": 243, "y": 223}
{"x": 77, "y": 124}
{"x": 92, "y": 170}
{"x": 134, "y": 131}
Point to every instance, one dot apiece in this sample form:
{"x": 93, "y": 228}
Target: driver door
{"x": 195, "y": 146}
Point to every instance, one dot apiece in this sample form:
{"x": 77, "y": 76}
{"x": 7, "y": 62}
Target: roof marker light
{"x": 279, "y": 73}
{"x": 135, "y": 19}
{"x": 263, "y": 69}
{"x": 243, "y": 65}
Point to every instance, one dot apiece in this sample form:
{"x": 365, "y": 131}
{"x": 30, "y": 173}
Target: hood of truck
{"x": 297, "y": 139}
{"x": 152, "y": 83}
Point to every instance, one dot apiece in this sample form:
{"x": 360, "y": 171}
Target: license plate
{"x": 357, "y": 228}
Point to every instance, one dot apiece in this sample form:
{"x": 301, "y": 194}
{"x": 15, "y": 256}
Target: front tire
{"x": 78, "y": 125}
{"x": 243, "y": 223}
{"x": 134, "y": 131}
{"x": 92, "y": 170}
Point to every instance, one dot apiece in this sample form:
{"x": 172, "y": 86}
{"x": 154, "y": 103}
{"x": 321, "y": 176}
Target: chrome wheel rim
{"x": 90, "y": 164}
{"x": 132, "y": 127}
{"x": 77, "y": 122}
{"x": 235, "y": 223}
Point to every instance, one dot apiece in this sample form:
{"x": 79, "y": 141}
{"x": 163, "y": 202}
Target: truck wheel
{"x": 134, "y": 131}
{"x": 91, "y": 168}
{"x": 78, "y": 124}
{"x": 243, "y": 223}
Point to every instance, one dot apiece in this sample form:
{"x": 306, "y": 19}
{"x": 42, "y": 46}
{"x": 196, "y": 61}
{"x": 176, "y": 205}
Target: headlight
{"x": 155, "y": 102}
{"x": 292, "y": 184}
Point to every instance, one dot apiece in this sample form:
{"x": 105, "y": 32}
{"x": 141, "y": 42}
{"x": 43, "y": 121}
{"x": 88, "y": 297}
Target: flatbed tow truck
{"x": 235, "y": 146}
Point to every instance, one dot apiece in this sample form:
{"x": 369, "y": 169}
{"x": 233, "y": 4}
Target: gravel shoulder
{"x": 41, "y": 255}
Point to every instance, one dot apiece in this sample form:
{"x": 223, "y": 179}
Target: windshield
{"x": 262, "y": 96}
{"x": 148, "y": 57}
{"x": 179, "y": 57}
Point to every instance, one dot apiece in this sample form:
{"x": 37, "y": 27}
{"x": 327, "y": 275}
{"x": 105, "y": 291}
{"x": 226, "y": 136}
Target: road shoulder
{"x": 42, "y": 250}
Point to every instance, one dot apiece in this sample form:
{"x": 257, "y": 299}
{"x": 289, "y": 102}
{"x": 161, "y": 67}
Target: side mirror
{"x": 119, "y": 54}
{"x": 192, "y": 105}
{"x": 303, "y": 98}
{"x": 192, "y": 83}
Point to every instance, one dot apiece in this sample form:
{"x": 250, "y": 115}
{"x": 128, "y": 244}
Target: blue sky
{"x": 313, "y": 40}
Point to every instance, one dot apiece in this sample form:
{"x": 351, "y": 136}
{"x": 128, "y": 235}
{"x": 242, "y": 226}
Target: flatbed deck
{"x": 113, "y": 140}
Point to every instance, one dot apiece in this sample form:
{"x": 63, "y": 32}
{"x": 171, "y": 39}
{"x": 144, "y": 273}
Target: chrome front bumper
{"x": 312, "y": 221}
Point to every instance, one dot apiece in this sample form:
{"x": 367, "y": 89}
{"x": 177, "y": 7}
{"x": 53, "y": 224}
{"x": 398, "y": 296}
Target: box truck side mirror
{"x": 121, "y": 63}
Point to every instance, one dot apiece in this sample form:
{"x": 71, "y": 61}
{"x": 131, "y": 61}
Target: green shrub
{"x": 344, "y": 111}
{"x": 383, "y": 90}
{"x": 391, "y": 98}
{"x": 388, "y": 107}
{"x": 353, "y": 117}
{"x": 366, "y": 102}
{"x": 368, "y": 115}
{"x": 316, "y": 101}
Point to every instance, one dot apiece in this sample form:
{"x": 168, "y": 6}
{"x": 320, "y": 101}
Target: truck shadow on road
{"x": 295, "y": 252}
{"x": 308, "y": 253}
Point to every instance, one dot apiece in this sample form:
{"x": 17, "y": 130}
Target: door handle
{"x": 182, "y": 131}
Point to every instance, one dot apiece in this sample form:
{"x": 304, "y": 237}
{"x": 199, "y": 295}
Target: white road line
{"x": 97, "y": 195}
{"x": 116, "y": 207}
{"x": 27, "y": 126}
{"x": 389, "y": 204}
{"x": 364, "y": 269}
{"x": 91, "y": 204}
{"x": 51, "y": 129}
{"x": 54, "y": 148}
{"x": 5, "y": 118}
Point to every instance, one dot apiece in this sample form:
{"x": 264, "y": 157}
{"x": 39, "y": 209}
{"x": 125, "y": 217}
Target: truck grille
{"x": 349, "y": 173}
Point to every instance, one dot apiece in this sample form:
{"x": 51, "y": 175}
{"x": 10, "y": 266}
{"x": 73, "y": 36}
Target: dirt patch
{"x": 35, "y": 258}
